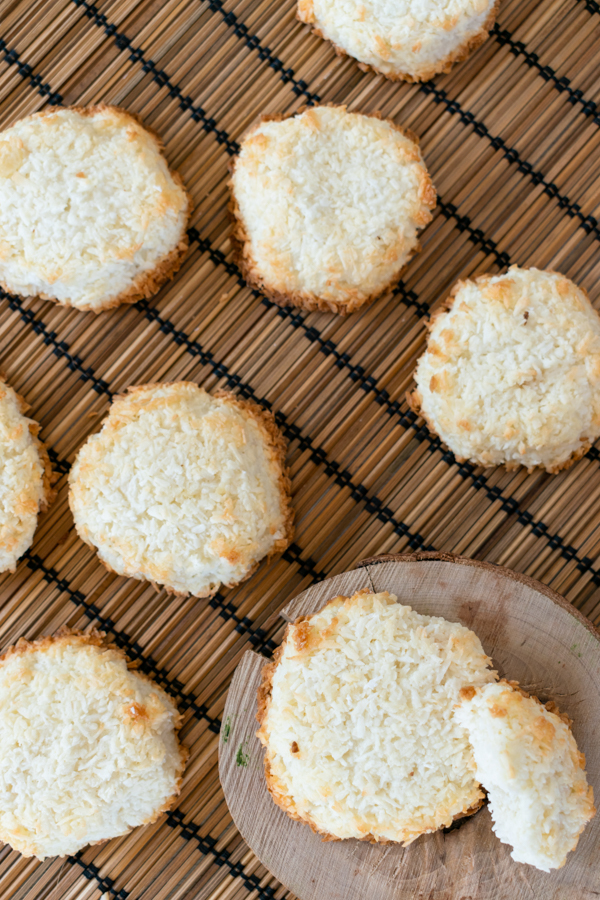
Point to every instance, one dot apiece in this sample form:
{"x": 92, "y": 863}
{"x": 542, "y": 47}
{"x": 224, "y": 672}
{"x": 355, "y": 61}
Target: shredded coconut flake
{"x": 23, "y": 491}
{"x": 511, "y": 373}
{"x": 528, "y": 761}
{"x": 412, "y": 39}
{"x": 183, "y": 488}
{"x": 89, "y": 210}
{"x": 328, "y": 205}
{"x": 88, "y": 749}
{"x": 359, "y": 728}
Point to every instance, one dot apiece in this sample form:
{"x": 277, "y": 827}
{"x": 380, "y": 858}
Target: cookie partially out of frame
{"x": 182, "y": 488}
{"x": 411, "y": 40}
{"x": 511, "y": 373}
{"x": 327, "y": 205}
{"x": 90, "y": 214}
{"x": 357, "y": 720}
{"x": 88, "y": 747}
{"x": 25, "y": 478}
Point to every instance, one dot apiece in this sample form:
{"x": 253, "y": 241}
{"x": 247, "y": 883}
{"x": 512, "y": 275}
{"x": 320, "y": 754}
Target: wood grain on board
{"x": 532, "y": 636}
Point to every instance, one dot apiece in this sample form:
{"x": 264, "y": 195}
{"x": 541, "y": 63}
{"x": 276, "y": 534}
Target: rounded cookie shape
{"x": 327, "y": 205}
{"x": 90, "y": 214}
{"x": 25, "y": 478}
{"x": 403, "y": 39}
{"x": 357, "y": 718}
{"x": 182, "y": 488}
{"x": 88, "y": 748}
{"x": 511, "y": 373}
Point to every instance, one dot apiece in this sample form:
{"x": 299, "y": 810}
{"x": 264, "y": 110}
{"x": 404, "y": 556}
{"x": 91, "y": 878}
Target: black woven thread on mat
{"x": 563, "y": 85}
{"x": 341, "y": 476}
{"x": 92, "y": 873}
{"x": 133, "y": 650}
{"x": 375, "y": 504}
{"x": 26, "y": 71}
{"x": 591, "y": 6}
{"x": 448, "y": 210}
{"x": 59, "y": 348}
{"x": 191, "y": 832}
{"x": 589, "y": 223}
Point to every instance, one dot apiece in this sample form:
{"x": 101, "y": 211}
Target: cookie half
{"x": 182, "y": 488}
{"x": 25, "y": 478}
{"x": 357, "y": 718}
{"x": 527, "y": 760}
{"x": 511, "y": 374}
{"x": 88, "y": 747}
{"x": 90, "y": 214}
{"x": 327, "y": 205}
{"x": 402, "y": 39}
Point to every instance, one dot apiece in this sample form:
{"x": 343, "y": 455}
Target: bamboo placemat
{"x": 512, "y": 140}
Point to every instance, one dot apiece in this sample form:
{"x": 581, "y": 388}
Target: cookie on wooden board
{"x": 527, "y": 760}
{"x": 88, "y": 747}
{"x": 327, "y": 205}
{"x": 25, "y": 478}
{"x": 357, "y": 718}
{"x": 511, "y": 373}
{"x": 182, "y": 488}
{"x": 411, "y": 40}
{"x": 90, "y": 214}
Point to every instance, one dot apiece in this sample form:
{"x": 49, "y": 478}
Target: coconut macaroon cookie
{"x": 511, "y": 374}
{"x": 90, "y": 214}
{"x": 88, "y": 748}
{"x": 357, "y": 718}
{"x": 25, "y": 478}
{"x": 402, "y": 38}
{"x": 527, "y": 760}
{"x": 182, "y": 488}
{"x": 327, "y": 205}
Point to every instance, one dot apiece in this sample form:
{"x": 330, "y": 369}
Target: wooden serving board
{"x": 532, "y": 635}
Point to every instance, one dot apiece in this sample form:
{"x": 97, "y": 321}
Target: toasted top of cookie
{"x": 89, "y": 210}
{"x": 88, "y": 748}
{"x": 357, "y": 717}
{"x": 183, "y": 488}
{"x": 528, "y": 762}
{"x": 402, "y": 38}
{"x": 328, "y": 204}
{"x": 24, "y": 478}
{"x": 511, "y": 373}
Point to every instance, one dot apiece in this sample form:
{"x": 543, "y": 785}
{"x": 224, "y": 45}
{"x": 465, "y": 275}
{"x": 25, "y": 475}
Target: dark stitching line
{"x": 475, "y": 235}
{"x": 172, "y": 685}
{"x": 518, "y": 48}
{"x": 59, "y": 348}
{"x": 191, "y": 831}
{"x": 341, "y": 476}
{"x": 408, "y": 419}
{"x": 592, "y": 6}
{"x": 92, "y": 873}
{"x": 26, "y": 71}
{"x": 589, "y": 223}
{"x": 252, "y": 41}
{"x": 136, "y": 54}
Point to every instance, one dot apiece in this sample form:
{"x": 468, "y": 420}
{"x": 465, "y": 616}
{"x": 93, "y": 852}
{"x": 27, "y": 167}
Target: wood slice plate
{"x": 533, "y": 635}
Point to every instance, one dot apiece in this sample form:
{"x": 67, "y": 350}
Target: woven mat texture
{"x": 512, "y": 140}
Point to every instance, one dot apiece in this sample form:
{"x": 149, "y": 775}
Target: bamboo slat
{"x": 512, "y": 140}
